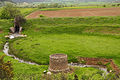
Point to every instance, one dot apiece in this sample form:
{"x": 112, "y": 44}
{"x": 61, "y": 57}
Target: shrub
{"x": 52, "y": 5}
{"x": 9, "y": 12}
{"x": 109, "y": 68}
{"x": 118, "y": 4}
{"x": 6, "y": 70}
{"x": 104, "y": 5}
{"x": 113, "y": 5}
{"x": 20, "y": 19}
{"x": 74, "y": 60}
{"x": 99, "y": 63}
{"x": 107, "y": 64}
{"x": 42, "y": 15}
{"x": 83, "y": 62}
{"x": 76, "y": 77}
{"x": 43, "y": 5}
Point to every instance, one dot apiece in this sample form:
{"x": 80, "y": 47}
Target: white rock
{"x": 11, "y": 37}
{"x": 49, "y": 73}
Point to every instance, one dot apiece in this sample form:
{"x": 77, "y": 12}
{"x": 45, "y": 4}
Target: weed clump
{"x": 42, "y": 15}
{"x": 6, "y": 70}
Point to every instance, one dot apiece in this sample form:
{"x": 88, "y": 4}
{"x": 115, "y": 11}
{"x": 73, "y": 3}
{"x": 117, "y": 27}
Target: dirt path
{"x": 78, "y": 12}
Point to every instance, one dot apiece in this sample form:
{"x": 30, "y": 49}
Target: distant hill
{"x": 75, "y": 1}
{"x": 7, "y": 0}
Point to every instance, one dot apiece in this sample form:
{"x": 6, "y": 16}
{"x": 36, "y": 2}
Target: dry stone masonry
{"x": 58, "y": 63}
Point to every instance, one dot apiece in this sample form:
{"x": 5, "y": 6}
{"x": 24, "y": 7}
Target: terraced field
{"x": 77, "y": 12}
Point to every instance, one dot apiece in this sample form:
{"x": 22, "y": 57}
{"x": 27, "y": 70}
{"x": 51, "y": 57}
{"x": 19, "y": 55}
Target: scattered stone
{"x": 12, "y": 36}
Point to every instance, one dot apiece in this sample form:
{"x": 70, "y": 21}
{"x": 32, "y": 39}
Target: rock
{"x": 49, "y": 73}
{"x": 11, "y": 37}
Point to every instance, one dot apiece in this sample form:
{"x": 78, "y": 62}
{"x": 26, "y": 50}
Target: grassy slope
{"x": 4, "y": 27}
{"x": 6, "y": 24}
{"x": 81, "y": 7}
{"x": 24, "y": 71}
{"x": 26, "y": 11}
{"x": 20, "y": 69}
{"x": 85, "y": 37}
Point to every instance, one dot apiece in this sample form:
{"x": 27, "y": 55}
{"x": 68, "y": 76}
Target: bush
{"x": 104, "y": 5}
{"x": 20, "y": 19}
{"x": 6, "y": 70}
{"x": 52, "y": 5}
{"x": 74, "y": 60}
{"x": 42, "y": 15}
{"x": 83, "y": 62}
{"x": 9, "y": 12}
{"x": 109, "y": 68}
{"x": 99, "y": 63}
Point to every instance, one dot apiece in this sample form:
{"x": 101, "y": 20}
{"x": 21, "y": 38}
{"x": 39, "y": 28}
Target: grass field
{"x": 85, "y": 37}
{"x": 24, "y": 71}
{"x": 66, "y": 8}
{"x": 80, "y": 36}
{"x": 57, "y": 31}
{"x": 26, "y": 11}
{"x": 4, "y": 25}
{"x": 80, "y": 7}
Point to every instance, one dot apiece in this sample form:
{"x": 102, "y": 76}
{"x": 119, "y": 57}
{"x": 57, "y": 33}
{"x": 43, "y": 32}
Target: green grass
{"x": 4, "y": 26}
{"x": 66, "y": 8}
{"x": 59, "y": 35}
{"x": 26, "y": 11}
{"x": 23, "y": 71}
{"x": 85, "y": 37}
{"x": 81, "y": 7}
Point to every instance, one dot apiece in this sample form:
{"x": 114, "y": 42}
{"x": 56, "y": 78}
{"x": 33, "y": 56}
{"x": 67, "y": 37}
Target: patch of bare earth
{"x": 1, "y": 31}
{"x": 77, "y": 12}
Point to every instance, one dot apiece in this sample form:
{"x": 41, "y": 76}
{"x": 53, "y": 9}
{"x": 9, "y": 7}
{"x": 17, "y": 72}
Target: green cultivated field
{"x": 81, "y": 7}
{"x": 84, "y": 37}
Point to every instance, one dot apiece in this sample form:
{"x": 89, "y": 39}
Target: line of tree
{"x": 52, "y": 5}
{"x": 9, "y": 12}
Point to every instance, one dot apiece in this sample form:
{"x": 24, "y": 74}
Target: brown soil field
{"x": 77, "y": 12}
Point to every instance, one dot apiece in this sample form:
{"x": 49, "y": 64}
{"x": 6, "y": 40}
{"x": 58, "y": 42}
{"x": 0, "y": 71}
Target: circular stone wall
{"x": 58, "y": 63}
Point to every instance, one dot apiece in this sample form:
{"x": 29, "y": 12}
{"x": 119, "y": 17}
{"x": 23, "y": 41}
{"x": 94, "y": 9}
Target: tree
{"x": 9, "y": 12}
{"x": 43, "y": 5}
{"x": 6, "y": 70}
